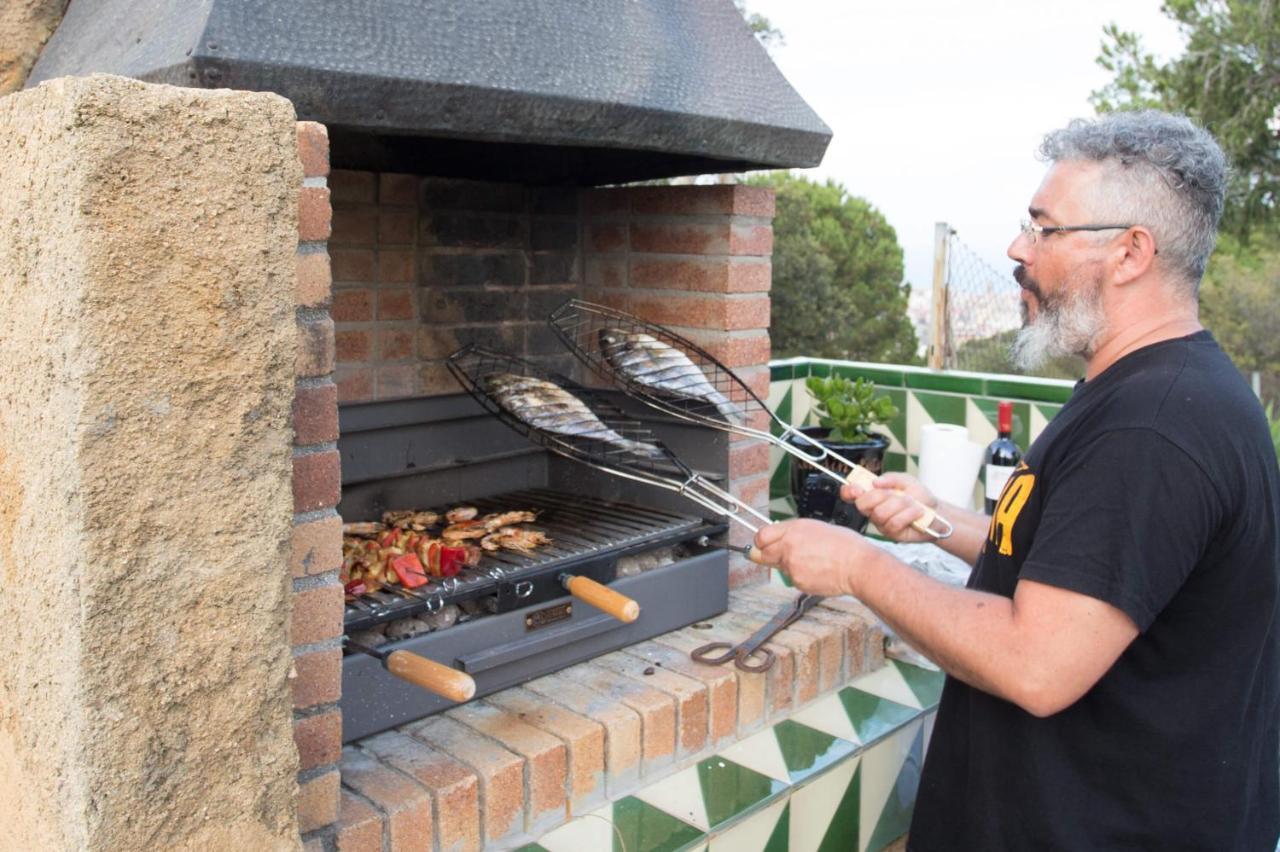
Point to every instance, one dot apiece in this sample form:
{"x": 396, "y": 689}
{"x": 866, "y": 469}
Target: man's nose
{"x": 1019, "y": 248}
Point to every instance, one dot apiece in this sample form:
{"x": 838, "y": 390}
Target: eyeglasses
{"x": 1031, "y": 230}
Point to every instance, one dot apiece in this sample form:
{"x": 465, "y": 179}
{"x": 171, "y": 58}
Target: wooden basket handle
{"x": 432, "y": 676}
{"x": 603, "y": 598}
{"x": 866, "y": 480}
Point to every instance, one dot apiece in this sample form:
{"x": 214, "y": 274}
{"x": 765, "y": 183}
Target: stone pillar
{"x": 147, "y": 352}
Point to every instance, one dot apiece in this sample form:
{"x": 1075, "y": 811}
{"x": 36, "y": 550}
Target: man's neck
{"x": 1134, "y": 336}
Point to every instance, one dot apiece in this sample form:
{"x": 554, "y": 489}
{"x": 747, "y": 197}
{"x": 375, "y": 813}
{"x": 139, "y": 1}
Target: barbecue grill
{"x": 518, "y": 620}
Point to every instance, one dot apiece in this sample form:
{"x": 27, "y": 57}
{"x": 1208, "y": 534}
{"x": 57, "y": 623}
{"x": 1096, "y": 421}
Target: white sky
{"x": 937, "y": 107}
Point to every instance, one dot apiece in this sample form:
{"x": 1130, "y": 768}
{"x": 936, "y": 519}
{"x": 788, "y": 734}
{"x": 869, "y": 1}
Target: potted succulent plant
{"x": 848, "y": 410}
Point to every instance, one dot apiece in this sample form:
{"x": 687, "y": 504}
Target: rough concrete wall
{"x": 25, "y": 25}
{"x": 147, "y": 346}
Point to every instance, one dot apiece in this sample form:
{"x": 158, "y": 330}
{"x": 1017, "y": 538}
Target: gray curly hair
{"x": 1164, "y": 172}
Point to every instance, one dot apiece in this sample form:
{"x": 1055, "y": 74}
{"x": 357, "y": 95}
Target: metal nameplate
{"x": 550, "y": 615}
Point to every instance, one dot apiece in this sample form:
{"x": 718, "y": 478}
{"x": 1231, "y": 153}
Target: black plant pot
{"x": 818, "y": 495}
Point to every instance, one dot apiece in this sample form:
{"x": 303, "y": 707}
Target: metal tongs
{"x": 715, "y": 653}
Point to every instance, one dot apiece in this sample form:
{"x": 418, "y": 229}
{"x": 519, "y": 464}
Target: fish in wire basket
{"x": 547, "y": 406}
{"x": 648, "y": 361}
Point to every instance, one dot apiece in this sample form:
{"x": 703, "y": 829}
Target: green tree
{"x": 837, "y": 276}
{"x": 1227, "y": 79}
{"x": 768, "y": 35}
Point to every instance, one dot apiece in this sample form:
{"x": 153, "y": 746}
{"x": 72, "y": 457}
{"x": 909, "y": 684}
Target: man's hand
{"x": 818, "y": 557}
{"x": 892, "y": 505}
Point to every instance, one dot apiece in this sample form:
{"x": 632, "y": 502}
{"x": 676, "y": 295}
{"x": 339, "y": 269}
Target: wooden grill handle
{"x": 432, "y": 676}
{"x": 866, "y": 480}
{"x": 603, "y": 598}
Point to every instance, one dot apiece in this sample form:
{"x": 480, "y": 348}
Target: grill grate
{"x": 580, "y": 530}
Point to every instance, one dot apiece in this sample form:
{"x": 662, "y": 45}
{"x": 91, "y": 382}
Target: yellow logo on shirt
{"x": 1014, "y": 496}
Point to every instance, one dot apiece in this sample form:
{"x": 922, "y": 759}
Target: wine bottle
{"x": 1002, "y": 456}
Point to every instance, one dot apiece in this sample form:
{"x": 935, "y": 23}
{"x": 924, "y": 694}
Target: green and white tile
{"x": 855, "y": 715}
{"x": 825, "y": 814}
{"x": 627, "y": 825}
{"x": 768, "y": 830}
{"x": 890, "y": 780}
{"x": 714, "y": 791}
{"x": 790, "y": 752}
{"x": 888, "y": 682}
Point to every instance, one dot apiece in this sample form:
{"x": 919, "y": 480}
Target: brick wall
{"x": 317, "y": 529}
{"x": 422, "y": 266}
{"x": 697, "y": 259}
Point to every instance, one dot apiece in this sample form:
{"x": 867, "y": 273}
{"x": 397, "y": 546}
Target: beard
{"x": 1067, "y": 323}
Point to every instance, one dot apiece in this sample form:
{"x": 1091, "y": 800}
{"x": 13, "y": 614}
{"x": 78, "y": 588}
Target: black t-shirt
{"x": 1155, "y": 489}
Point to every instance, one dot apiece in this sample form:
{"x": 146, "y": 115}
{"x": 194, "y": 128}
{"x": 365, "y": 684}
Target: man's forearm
{"x": 970, "y": 635}
{"x": 970, "y": 532}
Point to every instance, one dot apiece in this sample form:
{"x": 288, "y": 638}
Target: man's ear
{"x": 1134, "y": 252}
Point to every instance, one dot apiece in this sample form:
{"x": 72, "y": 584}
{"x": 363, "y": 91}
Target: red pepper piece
{"x": 451, "y": 560}
{"x": 355, "y": 588}
{"x": 409, "y": 569}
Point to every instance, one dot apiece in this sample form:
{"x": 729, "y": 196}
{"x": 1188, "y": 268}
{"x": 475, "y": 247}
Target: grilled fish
{"x": 644, "y": 359}
{"x": 546, "y": 405}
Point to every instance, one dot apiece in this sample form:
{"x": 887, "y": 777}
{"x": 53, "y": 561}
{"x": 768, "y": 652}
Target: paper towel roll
{"x": 949, "y": 462}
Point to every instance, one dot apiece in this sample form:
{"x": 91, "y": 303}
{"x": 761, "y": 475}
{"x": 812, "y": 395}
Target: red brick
{"x": 607, "y": 237}
{"x": 352, "y": 305}
{"x": 679, "y": 238}
{"x": 720, "y": 683}
{"x": 397, "y": 188}
{"x": 757, "y": 378}
{"x": 359, "y": 825}
{"x": 435, "y": 379}
{"x": 316, "y": 547}
{"x": 605, "y": 272}
{"x": 666, "y": 273}
{"x": 396, "y": 226}
{"x": 694, "y": 310}
{"x": 395, "y": 344}
{"x": 403, "y": 801}
{"x": 355, "y": 225}
{"x": 315, "y": 355}
{"x": 395, "y": 304}
{"x": 315, "y": 414}
{"x": 744, "y": 573}
{"x": 314, "y": 281}
{"x": 353, "y": 186}
{"x": 604, "y": 202}
{"x": 742, "y": 349}
{"x": 546, "y": 759}
{"x": 319, "y": 739}
{"x": 622, "y": 726}
{"x": 748, "y": 459}
{"x": 689, "y": 695}
{"x": 315, "y": 217}
{"x": 317, "y": 614}
{"x": 751, "y": 240}
{"x": 352, "y": 265}
{"x": 657, "y": 711}
{"x": 752, "y": 687}
{"x": 313, "y": 148}
{"x": 354, "y": 384}
{"x": 317, "y": 480}
{"x": 317, "y": 679}
{"x": 395, "y": 266}
{"x": 737, "y": 200}
{"x": 318, "y": 802}
{"x": 584, "y": 739}
{"x": 353, "y": 346}
{"x": 500, "y": 773}
{"x": 828, "y": 640}
{"x": 397, "y": 381}
{"x": 454, "y": 788}
{"x": 750, "y": 275}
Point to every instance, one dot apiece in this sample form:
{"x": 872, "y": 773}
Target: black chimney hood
{"x": 539, "y": 91}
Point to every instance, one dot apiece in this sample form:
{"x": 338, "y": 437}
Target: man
{"x": 1113, "y": 668}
